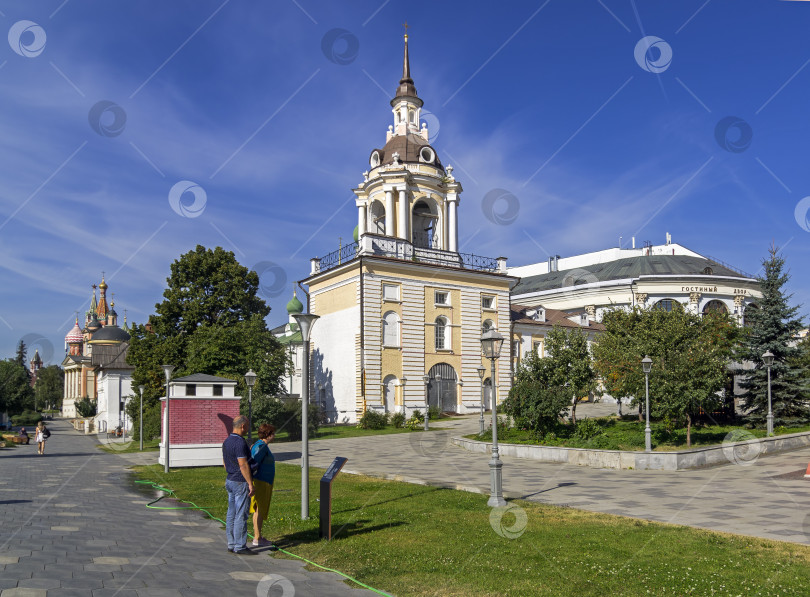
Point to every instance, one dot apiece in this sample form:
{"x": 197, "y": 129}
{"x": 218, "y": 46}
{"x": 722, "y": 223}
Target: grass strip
{"x": 413, "y": 540}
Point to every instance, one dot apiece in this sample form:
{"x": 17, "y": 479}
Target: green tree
{"x": 210, "y": 321}
{"x": 86, "y": 407}
{"x": 569, "y": 364}
{"x": 689, "y": 353}
{"x": 16, "y": 393}
{"x": 773, "y": 327}
{"x": 49, "y": 388}
{"x": 20, "y": 357}
{"x": 533, "y": 403}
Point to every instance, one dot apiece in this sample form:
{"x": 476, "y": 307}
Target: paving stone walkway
{"x": 73, "y": 525}
{"x": 764, "y": 496}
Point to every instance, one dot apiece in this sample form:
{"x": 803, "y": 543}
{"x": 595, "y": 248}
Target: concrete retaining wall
{"x": 742, "y": 452}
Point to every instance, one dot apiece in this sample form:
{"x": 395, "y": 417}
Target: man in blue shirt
{"x": 239, "y": 484}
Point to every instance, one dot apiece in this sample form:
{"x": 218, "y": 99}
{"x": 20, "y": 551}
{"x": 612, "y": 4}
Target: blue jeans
{"x": 236, "y": 521}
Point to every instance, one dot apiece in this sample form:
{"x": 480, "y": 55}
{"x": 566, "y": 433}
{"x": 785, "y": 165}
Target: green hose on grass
{"x": 194, "y": 506}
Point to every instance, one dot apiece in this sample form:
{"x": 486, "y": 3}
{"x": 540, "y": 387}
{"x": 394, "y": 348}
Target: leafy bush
{"x": 86, "y": 408}
{"x": 27, "y": 417}
{"x": 372, "y": 419}
{"x": 416, "y": 421}
{"x": 289, "y": 419}
{"x": 434, "y": 413}
{"x": 588, "y": 428}
{"x": 265, "y": 409}
{"x": 534, "y": 407}
{"x": 398, "y": 420}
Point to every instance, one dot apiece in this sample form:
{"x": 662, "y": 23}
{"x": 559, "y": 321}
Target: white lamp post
{"x": 305, "y": 322}
{"x": 167, "y": 370}
{"x": 426, "y": 379}
{"x": 250, "y": 380}
{"x": 491, "y": 342}
{"x": 481, "y": 370}
{"x": 646, "y": 366}
{"x": 767, "y": 358}
{"x": 140, "y": 432}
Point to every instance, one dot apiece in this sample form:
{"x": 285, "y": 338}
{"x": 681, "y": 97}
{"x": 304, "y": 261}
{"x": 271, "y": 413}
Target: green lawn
{"x": 415, "y": 540}
{"x": 628, "y": 434}
{"x": 340, "y": 431}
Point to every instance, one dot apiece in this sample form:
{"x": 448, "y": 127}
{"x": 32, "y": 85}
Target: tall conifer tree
{"x": 774, "y": 327}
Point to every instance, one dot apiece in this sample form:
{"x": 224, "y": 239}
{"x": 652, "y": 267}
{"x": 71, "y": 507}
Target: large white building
{"x": 654, "y": 275}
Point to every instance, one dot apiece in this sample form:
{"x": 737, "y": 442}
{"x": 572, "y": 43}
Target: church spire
{"x": 406, "y": 86}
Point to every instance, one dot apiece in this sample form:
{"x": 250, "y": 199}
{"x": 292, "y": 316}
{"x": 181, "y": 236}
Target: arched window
{"x": 749, "y": 314}
{"x": 442, "y": 334}
{"x": 425, "y": 225}
{"x": 665, "y": 304}
{"x": 391, "y": 329}
{"x": 411, "y": 116}
{"x": 487, "y": 325}
{"x": 377, "y": 218}
{"x": 389, "y": 392}
{"x": 715, "y": 306}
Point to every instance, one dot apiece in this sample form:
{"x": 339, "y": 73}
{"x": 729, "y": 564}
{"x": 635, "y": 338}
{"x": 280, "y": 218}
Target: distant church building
{"x": 95, "y": 364}
{"x": 402, "y": 310}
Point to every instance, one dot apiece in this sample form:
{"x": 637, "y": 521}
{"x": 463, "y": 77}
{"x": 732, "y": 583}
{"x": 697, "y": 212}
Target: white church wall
{"x": 333, "y": 362}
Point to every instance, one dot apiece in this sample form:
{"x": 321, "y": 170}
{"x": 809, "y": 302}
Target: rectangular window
{"x": 217, "y": 389}
{"x": 191, "y": 389}
{"x": 488, "y": 302}
{"x": 537, "y": 346}
{"x": 390, "y": 292}
{"x": 441, "y": 297}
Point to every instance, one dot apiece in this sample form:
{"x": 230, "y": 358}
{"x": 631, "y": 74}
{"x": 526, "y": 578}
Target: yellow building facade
{"x": 402, "y": 310}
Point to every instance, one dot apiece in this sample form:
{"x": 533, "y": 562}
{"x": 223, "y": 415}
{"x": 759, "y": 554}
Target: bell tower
{"x": 408, "y": 194}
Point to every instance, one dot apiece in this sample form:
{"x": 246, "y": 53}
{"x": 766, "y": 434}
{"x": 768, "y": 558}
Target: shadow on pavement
{"x": 529, "y": 495}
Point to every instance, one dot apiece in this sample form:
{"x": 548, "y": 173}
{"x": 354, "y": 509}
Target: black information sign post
{"x": 326, "y": 497}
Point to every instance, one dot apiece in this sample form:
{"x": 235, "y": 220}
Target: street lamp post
{"x": 646, "y": 366}
{"x": 250, "y": 380}
{"x": 305, "y": 323}
{"x": 167, "y": 370}
{"x": 481, "y": 370}
{"x": 767, "y": 358}
{"x": 438, "y": 379}
{"x": 426, "y": 379}
{"x": 491, "y": 342}
{"x": 140, "y": 419}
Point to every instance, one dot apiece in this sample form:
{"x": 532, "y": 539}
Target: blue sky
{"x": 272, "y": 114}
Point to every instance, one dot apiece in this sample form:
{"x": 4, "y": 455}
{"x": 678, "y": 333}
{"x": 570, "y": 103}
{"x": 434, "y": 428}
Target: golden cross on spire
{"x": 405, "y": 24}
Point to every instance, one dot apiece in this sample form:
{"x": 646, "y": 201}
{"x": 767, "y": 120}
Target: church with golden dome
{"x": 95, "y": 363}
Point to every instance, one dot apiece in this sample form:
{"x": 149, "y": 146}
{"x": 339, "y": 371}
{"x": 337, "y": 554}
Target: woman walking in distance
{"x": 262, "y": 481}
{"x": 41, "y": 436}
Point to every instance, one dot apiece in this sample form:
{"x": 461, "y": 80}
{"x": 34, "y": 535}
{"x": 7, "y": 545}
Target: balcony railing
{"x": 396, "y": 248}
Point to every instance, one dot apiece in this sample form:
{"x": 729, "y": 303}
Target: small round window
{"x": 426, "y": 155}
{"x": 708, "y": 271}
{"x": 375, "y": 159}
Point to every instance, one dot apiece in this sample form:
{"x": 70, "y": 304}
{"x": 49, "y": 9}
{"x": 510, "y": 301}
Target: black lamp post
{"x": 491, "y": 342}
{"x": 250, "y": 380}
{"x": 767, "y": 358}
{"x": 305, "y": 322}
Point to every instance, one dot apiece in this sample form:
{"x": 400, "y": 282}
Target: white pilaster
{"x": 452, "y": 224}
{"x": 361, "y": 220}
{"x": 389, "y": 213}
{"x": 402, "y": 225}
